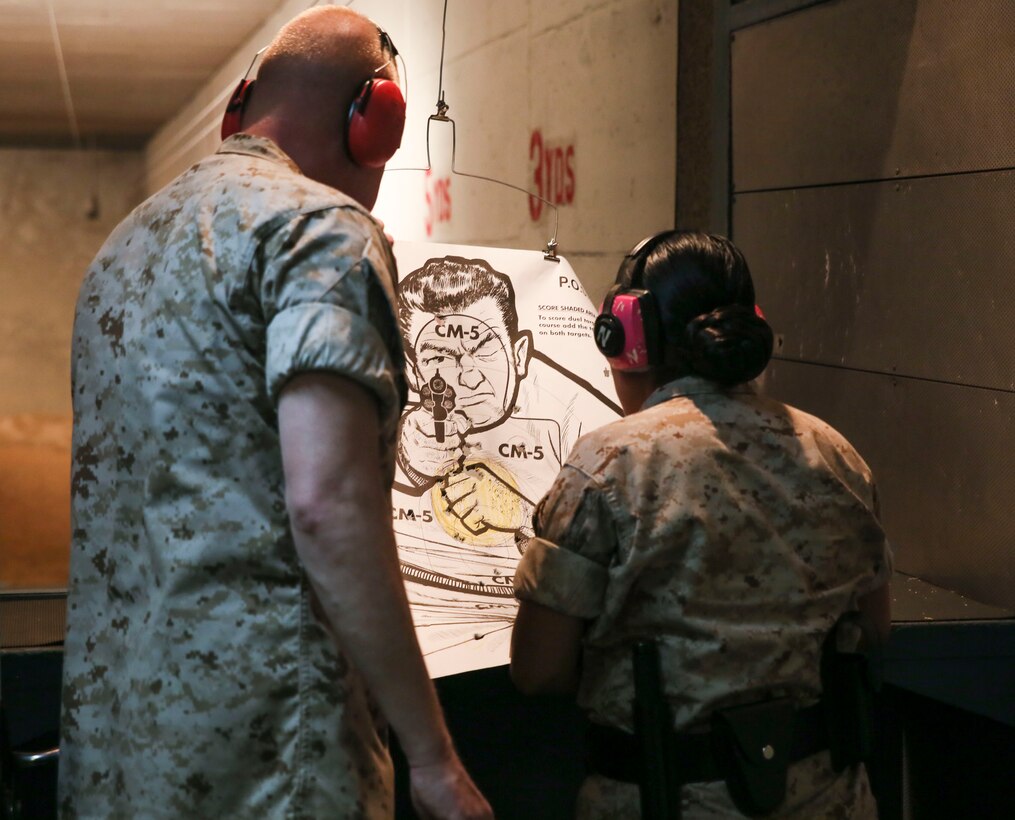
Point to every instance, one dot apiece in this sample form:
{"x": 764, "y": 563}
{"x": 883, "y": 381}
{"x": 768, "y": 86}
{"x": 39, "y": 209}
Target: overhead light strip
{"x": 68, "y": 100}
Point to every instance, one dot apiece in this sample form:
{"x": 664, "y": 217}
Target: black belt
{"x": 616, "y": 754}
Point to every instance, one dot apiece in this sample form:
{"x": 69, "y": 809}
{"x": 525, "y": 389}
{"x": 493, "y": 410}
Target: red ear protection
{"x": 234, "y": 109}
{"x": 375, "y": 125}
{"x": 374, "y": 128}
{"x": 376, "y": 119}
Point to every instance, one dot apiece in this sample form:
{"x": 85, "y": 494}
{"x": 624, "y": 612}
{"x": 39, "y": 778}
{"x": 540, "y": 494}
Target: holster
{"x": 658, "y": 790}
{"x": 848, "y": 701}
{"x": 752, "y": 746}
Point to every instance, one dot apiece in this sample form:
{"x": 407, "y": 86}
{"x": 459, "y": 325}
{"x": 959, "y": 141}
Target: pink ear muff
{"x": 620, "y": 332}
{"x": 376, "y": 122}
{"x": 234, "y": 110}
{"x": 627, "y": 308}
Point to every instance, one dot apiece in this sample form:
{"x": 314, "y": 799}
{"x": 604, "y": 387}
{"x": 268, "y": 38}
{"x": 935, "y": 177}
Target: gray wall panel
{"x": 873, "y": 89}
{"x": 915, "y": 277}
{"x": 942, "y": 457}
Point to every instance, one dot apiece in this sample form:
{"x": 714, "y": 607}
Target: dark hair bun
{"x": 730, "y": 345}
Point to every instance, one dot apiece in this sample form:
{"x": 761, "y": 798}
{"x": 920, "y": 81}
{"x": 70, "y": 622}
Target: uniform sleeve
{"x": 565, "y": 565}
{"x": 325, "y": 306}
{"x": 871, "y": 544}
{"x": 884, "y": 563}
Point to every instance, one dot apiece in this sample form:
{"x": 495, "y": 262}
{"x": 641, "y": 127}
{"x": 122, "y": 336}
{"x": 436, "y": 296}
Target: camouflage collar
{"x": 260, "y": 147}
{"x": 693, "y": 386}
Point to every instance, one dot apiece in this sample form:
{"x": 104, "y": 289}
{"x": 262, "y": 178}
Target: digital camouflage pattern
{"x": 197, "y": 682}
{"x": 734, "y": 529}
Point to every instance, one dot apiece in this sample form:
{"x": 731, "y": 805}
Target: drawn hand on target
{"x": 426, "y": 452}
{"x": 482, "y": 500}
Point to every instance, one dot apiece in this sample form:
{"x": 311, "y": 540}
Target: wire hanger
{"x": 441, "y": 115}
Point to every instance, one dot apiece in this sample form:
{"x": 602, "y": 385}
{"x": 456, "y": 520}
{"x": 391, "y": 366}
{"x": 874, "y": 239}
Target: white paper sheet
{"x": 504, "y": 376}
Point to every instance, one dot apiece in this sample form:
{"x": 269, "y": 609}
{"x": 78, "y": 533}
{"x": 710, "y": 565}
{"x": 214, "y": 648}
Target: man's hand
{"x": 444, "y": 791}
{"x": 417, "y": 436}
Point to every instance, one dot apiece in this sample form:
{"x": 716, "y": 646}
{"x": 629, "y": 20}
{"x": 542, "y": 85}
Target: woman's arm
{"x": 876, "y": 614}
{"x": 546, "y": 650}
{"x": 561, "y": 583}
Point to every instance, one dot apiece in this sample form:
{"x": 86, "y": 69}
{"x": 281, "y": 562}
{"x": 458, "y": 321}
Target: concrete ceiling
{"x": 126, "y": 67}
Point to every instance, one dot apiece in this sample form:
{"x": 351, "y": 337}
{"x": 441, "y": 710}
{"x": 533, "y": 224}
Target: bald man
{"x": 238, "y": 631}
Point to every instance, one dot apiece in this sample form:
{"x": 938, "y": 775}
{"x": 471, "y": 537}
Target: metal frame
{"x": 730, "y": 17}
{"x": 721, "y": 199}
{"x": 745, "y": 13}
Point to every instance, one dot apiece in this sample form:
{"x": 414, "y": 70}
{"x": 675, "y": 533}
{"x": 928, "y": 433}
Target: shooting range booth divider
{"x": 947, "y": 707}
{"x": 31, "y": 667}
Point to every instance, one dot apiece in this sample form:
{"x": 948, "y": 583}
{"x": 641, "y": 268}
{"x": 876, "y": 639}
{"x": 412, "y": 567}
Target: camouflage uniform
{"x": 197, "y": 683}
{"x": 736, "y": 530}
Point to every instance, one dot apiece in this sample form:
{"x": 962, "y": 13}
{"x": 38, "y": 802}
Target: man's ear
{"x": 522, "y": 349}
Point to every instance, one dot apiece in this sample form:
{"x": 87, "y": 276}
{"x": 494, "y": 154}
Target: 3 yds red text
{"x": 438, "y": 202}
{"x": 552, "y": 173}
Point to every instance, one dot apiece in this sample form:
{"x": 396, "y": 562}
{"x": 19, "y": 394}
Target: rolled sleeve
{"x": 564, "y": 567}
{"x": 325, "y": 294}
{"x": 326, "y": 337}
{"x": 560, "y": 580}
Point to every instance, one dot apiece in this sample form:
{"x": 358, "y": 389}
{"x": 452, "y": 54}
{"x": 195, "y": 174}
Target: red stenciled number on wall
{"x": 552, "y": 173}
{"x": 438, "y": 202}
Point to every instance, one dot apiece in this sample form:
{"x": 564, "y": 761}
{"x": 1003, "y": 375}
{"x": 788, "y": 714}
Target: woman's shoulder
{"x": 832, "y": 444}
{"x": 622, "y": 445}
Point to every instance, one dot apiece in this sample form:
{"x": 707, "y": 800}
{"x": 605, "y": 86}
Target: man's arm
{"x": 340, "y": 510}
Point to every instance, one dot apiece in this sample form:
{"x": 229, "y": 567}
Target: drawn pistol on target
{"x": 439, "y": 398}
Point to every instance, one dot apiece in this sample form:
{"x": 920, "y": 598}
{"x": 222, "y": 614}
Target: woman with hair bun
{"x": 720, "y": 545}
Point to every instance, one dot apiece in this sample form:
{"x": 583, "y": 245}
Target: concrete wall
{"x": 56, "y": 208}
{"x": 597, "y": 77}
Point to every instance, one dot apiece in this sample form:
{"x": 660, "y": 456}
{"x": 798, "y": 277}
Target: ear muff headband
{"x": 633, "y": 264}
{"x": 375, "y": 124}
{"x": 373, "y": 129}
{"x": 234, "y": 108}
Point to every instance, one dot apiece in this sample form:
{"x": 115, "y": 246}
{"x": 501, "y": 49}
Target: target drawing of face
{"x": 459, "y": 325}
{"x": 475, "y": 354}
